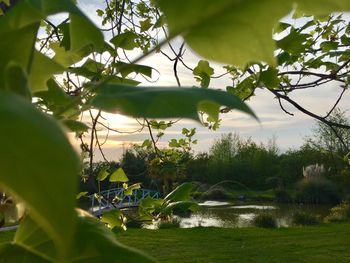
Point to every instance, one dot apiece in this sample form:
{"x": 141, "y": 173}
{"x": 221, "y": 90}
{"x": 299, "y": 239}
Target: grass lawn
{"x": 326, "y": 243}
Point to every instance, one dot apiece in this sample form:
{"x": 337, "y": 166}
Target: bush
{"x": 317, "y": 190}
{"x": 217, "y": 193}
{"x": 305, "y": 219}
{"x": 339, "y": 213}
{"x": 282, "y": 196}
{"x": 265, "y": 220}
{"x": 171, "y": 223}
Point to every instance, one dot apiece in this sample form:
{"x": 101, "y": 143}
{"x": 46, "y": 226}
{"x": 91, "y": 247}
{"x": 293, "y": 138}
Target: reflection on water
{"x": 214, "y": 203}
{"x": 224, "y": 214}
{"x": 257, "y": 207}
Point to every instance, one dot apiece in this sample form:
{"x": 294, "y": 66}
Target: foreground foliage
{"x": 40, "y": 167}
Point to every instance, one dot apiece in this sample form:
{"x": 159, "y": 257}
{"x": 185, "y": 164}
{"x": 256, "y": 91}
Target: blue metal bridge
{"x": 116, "y": 198}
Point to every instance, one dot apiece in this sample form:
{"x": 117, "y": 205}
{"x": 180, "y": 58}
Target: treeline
{"x": 243, "y": 164}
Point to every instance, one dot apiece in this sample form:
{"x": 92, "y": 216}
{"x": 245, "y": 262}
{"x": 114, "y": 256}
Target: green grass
{"x": 325, "y": 243}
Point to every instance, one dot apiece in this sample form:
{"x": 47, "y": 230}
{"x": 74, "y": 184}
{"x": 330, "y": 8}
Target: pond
{"x": 225, "y": 214}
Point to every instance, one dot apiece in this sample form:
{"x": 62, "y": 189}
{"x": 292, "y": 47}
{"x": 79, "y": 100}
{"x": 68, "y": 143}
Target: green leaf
{"x": 81, "y": 194}
{"x": 76, "y": 126}
{"x": 145, "y": 24}
{"x": 244, "y": 88}
{"x": 345, "y": 40}
{"x": 102, "y": 175}
{"x": 16, "y": 81}
{"x": 269, "y": 78}
{"x": 66, "y": 57}
{"x": 160, "y": 22}
{"x": 174, "y": 143}
{"x": 7, "y": 2}
{"x": 162, "y": 102}
{"x": 93, "y": 242}
{"x": 18, "y": 46}
{"x": 125, "y": 69}
{"x": 125, "y": 40}
{"x": 119, "y": 176}
{"x": 185, "y": 131}
{"x": 293, "y": 42}
{"x": 131, "y": 188}
{"x": 147, "y": 143}
{"x": 99, "y": 12}
{"x": 233, "y": 32}
{"x": 183, "y": 206}
{"x": 42, "y": 70}
{"x": 90, "y": 35}
{"x": 90, "y": 69}
{"x": 322, "y": 7}
{"x": 203, "y": 68}
{"x": 236, "y": 32}
{"x": 211, "y": 108}
{"x": 113, "y": 218}
{"x": 96, "y": 243}
{"x": 204, "y": 71}
{"x": 329, "y": 45}
{"x": 180, "y": 193}
{"x": 15, "y": 253}
{"x": 57, "y": 101}
{"x": 42, "y": 164}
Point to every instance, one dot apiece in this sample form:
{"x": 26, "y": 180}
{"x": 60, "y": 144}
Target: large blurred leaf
{"x": 16, "y": 81}
{"x": 183, "y": 206}
{"x": 42, "y": 70}
{"x": 164, "y": 102}
{"x": 38, "y": 165}
{"x": 93, "y": 242}
{"x": 16, "y": 46}
{"x": 76, "y": 126}
{"x": 228, "y": 31}
{"x": 180, "y": 193}
{"x": 233, "y": 31}
{"x": 84, "y": 33}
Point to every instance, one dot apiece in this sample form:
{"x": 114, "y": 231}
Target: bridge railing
{"x": 116, "y": 198}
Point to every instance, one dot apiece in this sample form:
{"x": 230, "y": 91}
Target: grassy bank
{"x": 325, "y": 243}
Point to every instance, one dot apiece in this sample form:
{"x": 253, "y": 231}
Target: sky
{"x": 289, "y": 131}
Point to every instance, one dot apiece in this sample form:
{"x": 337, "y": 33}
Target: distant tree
{"x": 334, "y": 140}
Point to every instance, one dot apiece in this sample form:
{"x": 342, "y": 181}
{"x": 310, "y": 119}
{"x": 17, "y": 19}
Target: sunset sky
{"x": 290, "y": 131}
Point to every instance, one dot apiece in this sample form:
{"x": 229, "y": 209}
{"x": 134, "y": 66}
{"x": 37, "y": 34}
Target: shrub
{"x": 217, "y": 193}
{"x": 305, "y": 219}
{"x": 171, "y": 223}
{"x": 282, "y": 196}
{"x": 317, "y": 190}
{"x": 265, "y": 220}
{"x": 339, "y": 213}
